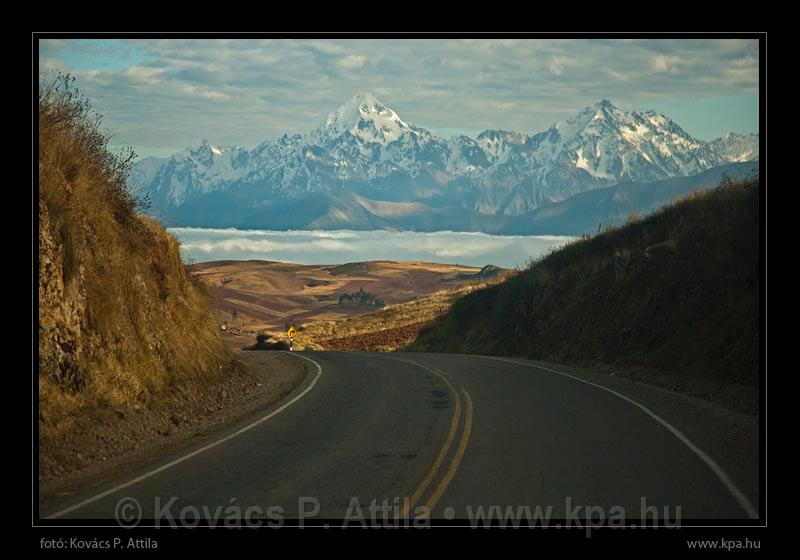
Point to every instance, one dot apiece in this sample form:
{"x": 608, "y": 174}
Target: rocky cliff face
{"x": 62, "y": 308}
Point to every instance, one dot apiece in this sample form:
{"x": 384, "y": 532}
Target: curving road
{"x": 444, "y": 435}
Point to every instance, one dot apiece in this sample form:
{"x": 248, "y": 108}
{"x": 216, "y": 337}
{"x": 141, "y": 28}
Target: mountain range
{"x": 366, "y": 168}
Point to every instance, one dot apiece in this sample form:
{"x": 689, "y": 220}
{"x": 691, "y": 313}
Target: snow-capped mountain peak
{"x": 366, "y": 118}
{"x": 205, "y": 153}
{"x": 597, "y": 118}
{"x": 609, "y": 143}
{"x": 365, "y": 147}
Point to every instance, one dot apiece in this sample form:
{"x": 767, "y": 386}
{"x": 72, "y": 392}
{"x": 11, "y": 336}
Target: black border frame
{"x": 699, "y": 529}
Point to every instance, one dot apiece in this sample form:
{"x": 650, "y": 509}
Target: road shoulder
{"x": 128, "y": 440}
{"x": 730, "y": 437}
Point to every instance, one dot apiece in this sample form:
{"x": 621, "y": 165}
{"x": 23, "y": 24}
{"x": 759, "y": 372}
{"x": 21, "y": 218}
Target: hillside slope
{"x": 672, "y": 299}
{"x": 121, "y": 321}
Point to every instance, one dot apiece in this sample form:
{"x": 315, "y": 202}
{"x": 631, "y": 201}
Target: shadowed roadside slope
{"x": 672, "y": 299}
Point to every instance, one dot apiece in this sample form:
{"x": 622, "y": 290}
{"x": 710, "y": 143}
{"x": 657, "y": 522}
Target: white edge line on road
{"x": 206, "y": 447}
{"x": 717, "y": 470}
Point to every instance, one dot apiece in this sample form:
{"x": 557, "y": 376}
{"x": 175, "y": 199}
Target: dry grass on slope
{"x": 120, "y": 318}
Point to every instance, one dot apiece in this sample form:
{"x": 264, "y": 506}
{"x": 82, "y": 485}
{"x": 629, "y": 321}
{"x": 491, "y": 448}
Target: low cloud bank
{"x": 334, "y": 247}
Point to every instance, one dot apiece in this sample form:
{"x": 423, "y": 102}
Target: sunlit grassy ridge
{"x": 120, "y": 318}
{"x": 387, "y": 329}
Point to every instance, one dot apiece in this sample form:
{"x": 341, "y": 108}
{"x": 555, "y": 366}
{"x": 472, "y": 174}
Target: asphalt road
{"x": 430, "y": 434}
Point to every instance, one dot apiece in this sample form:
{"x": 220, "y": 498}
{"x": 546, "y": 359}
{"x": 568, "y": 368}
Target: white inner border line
{"x": 723, "y": 477}
{"x": 206, "y": 447}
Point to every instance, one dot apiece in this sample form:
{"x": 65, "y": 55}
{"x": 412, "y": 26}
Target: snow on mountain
{"x": 603, "y": 145}
{"x": 364, "y": 148}
{"x": 598, "y": 147}
{"x": 365, "y": 118}
{"x": 608, "y": 143}
{"x": 734, "y": 147}
{"x": 198, "y": 169}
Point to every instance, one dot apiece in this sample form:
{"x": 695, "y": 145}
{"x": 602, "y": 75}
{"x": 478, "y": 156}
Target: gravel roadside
{"x": 122, "y": 440}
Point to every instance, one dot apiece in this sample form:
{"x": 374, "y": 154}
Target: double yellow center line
{"x": 434, "y": 498}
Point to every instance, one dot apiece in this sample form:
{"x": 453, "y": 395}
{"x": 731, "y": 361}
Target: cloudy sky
{"x": 160, "y": 96}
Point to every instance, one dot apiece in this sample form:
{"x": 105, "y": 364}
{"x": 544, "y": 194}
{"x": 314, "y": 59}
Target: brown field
{"x": 266, "y": 295}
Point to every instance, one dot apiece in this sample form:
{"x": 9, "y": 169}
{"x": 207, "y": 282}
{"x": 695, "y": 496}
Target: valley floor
{"x": 251, "y": 297}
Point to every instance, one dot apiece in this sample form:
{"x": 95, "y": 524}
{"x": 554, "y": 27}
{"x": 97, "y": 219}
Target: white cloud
{"x": 614, "y": 75}
{"x": 330, "y": 247}
{"x": 144, "y": 75}
{"x": 667, "y": 64}
{"x": 352, "y": 61}
{"x": 51, "y": 64}
{"x": 272, "y": 87}
{"x": 559, "y": 63}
